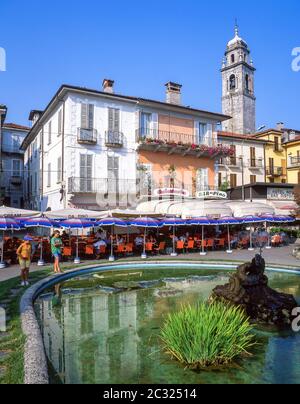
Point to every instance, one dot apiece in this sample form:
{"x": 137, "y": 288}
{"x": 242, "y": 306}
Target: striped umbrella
{"x": 277, "y": 219}
{"x": 77, "y": 224}
{"x": 173, "y": 222}
{"x": 252, "y": 219}
{"x": 40, "y": 222}
{"x": 112, "y": 222}
{"x": 228, "y": 221}
{"x": 147, "y": 223}
{"x": 7, "y": 224}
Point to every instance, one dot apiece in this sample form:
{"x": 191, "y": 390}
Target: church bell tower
{"x": 238, "y": 96}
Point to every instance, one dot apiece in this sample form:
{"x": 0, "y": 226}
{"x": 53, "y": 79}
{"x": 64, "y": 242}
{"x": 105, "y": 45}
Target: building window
{"x": 49, "y": 132}
{"x": 232, "y": 82}
{"x": 252, "y": 179}
{"x": 252, "y": 157}
{"x": 277, "y": 144}
{"x": 86, "y": 171}
{"x": 202, "y": 183}
{"x": 87, "y": 116}
{"x": 16, "y": 168}
{"x": 203, "y": 129}
{"x": 232, "y": 58}
{"x": 220, "y": 181}
{"x": 49, "y": 175}
{"x": 35, "y": 183}
{"x": 113, "y": 120}
{"x": 146, "y": 120}
{"x": 247, "y": 82}
{"x": 59, "y": 170}
{"x": 233, "y": 180}
{"x": 113, "y": 180}
{"x": 59, "y": 124}
{"x": 298, "y": 177}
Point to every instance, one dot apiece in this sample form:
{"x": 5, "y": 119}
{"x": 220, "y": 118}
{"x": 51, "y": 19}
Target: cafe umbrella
{"x": 43, "y": 222}
{"x": 7, "y": 224}
{"x": 112, "y": 222}
{"x": 200, "y": 221}
{"x": 274, "y": 219}
{"x": 146, "y": 223}
{"x": 173, "y": 222}
{"x": 77, "y": 224}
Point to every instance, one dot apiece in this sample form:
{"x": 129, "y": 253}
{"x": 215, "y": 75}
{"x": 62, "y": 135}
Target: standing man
{"x": 24, "y": 255}
{"x": 56, "y": 245}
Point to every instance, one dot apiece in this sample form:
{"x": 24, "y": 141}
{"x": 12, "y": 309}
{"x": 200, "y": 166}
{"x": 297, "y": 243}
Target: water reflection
{"x": 93, "y": 337}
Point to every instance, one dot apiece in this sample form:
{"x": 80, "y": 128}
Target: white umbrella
{"x": 6, "y": 211}
{"x": 71, "y": 213}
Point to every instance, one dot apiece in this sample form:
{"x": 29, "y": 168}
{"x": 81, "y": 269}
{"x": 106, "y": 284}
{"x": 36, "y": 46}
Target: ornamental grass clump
{"x": 207, "y": 335}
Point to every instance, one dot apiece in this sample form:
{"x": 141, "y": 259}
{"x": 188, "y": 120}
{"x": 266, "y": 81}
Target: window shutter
{"x": 82, "y": 165}
{"x": 59, "y": 122}
{"x": 49, "y": 175}
{"x": 84, "y": 116}
{"x": 117, "y": 120}
{"x": 91, "y": 116}
{"x": 89, "y": 162}
{"x": 110, "y": 119}
{"x": 49, "y": 132}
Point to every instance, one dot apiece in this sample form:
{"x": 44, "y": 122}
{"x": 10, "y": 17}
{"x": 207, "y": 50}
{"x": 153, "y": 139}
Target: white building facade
{"x": 82, "y": 151}
{"x": 246, "y": 165}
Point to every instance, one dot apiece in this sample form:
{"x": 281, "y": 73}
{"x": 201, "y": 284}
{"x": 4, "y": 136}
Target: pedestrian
{"x": 24, "y": 253}
{"x": 56, "y": 245}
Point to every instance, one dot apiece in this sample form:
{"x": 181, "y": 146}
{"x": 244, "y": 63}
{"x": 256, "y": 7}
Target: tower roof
{"x": 237, "y": 40}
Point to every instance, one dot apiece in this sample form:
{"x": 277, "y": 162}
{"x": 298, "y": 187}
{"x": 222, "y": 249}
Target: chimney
{"x": 173, "y": 93}
{"x": 34, "y": 116}
{"x": 280, "y": 126}
{"x": 108, "y": 86}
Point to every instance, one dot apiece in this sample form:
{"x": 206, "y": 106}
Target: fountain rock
{"x": 248, "y": 288}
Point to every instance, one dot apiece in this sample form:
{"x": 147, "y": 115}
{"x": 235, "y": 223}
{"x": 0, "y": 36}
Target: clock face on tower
{"x": 238, "y": 98}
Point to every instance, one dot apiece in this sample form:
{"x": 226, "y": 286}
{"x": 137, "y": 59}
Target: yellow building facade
{"x": 292, "y": 151}
{"x": 275, "y": 157}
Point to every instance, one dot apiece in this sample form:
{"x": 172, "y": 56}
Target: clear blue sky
{"x": 142, "y": 45}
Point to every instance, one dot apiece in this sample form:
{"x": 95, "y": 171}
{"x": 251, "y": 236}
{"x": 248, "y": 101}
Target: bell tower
{"x": 238, "y": 96}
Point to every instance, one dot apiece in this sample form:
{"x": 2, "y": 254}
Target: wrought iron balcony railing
{"x": 294, "y": 162}
{"x": 231, "y": 162}
{"x": 275, "y": 171}
{"x": 174, "y": 138}
{"x": 87, "y": 136}
{"x": 114, "y": 138}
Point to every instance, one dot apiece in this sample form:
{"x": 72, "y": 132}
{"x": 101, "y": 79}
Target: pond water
{"x": 96, "y": 333}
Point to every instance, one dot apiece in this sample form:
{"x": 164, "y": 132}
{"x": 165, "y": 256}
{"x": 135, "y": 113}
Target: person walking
{"x": 24, "y": 253}
{"x": 56, "y": 245}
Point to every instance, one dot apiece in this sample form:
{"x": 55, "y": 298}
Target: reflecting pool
{"x": 104, "y": 327}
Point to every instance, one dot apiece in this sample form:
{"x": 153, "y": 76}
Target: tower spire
{"x": 236, "y": 28}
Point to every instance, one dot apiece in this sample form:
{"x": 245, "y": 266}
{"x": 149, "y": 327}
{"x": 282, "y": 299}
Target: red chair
{"x": 161, "y": 248}
{"x": 149, "y": 247}
{"x": 67, "y": 253}
{"x": 210, "y": 243}
{"x": 191, "y": 245}
{"x": 89, "y": 251}
{"x": 221, "y": 243}
{"x": 180, "y": 246}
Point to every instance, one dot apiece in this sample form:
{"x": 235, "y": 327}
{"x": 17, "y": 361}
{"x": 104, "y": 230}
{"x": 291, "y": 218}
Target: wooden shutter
{"x": 233, "y": 180}
{"x": 84, "y": 116}
{"x": 110, "y": 119}
{"x": 49, "y": 132}
{"x": 113, "y": 120}
{"x": 59, "y": 131}
{"x": 49, "y": 175}
{"x": 91, "y": 116}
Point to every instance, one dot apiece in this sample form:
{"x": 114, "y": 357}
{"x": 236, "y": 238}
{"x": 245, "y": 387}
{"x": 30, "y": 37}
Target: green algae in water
{"x": 96, "y": 337}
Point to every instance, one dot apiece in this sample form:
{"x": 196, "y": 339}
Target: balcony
{"x": 87, "y": 136}
{"x": 294, "y": 162}
{"x": 180, "y": 143}
{"x": 114, "y": 139}
{"x": 255, "y": 164}
{"x": 275, "y": 172}
{"x": 278, "y": 149}
{"x": 233, "y": 162}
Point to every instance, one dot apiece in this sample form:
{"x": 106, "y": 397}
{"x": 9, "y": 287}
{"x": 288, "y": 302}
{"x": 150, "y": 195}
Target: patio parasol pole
{"x": 268, "y": 247}
{"x": 251, "y": 240}
{"x": 174, "y": 253}
{"x": 77, "y": 259}
{"x": 112, "y": 257}
{"x": 41, "y": 262}
{"x": 203, "y": 252}
{"x": 229, "y": 251}
{"x": 144, "y": 255}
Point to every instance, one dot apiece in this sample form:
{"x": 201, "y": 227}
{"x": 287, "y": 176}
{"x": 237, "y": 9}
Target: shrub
{"x": 207, "y": 335}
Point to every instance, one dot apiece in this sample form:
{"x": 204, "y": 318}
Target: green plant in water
{"x": 208, "y": 334}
